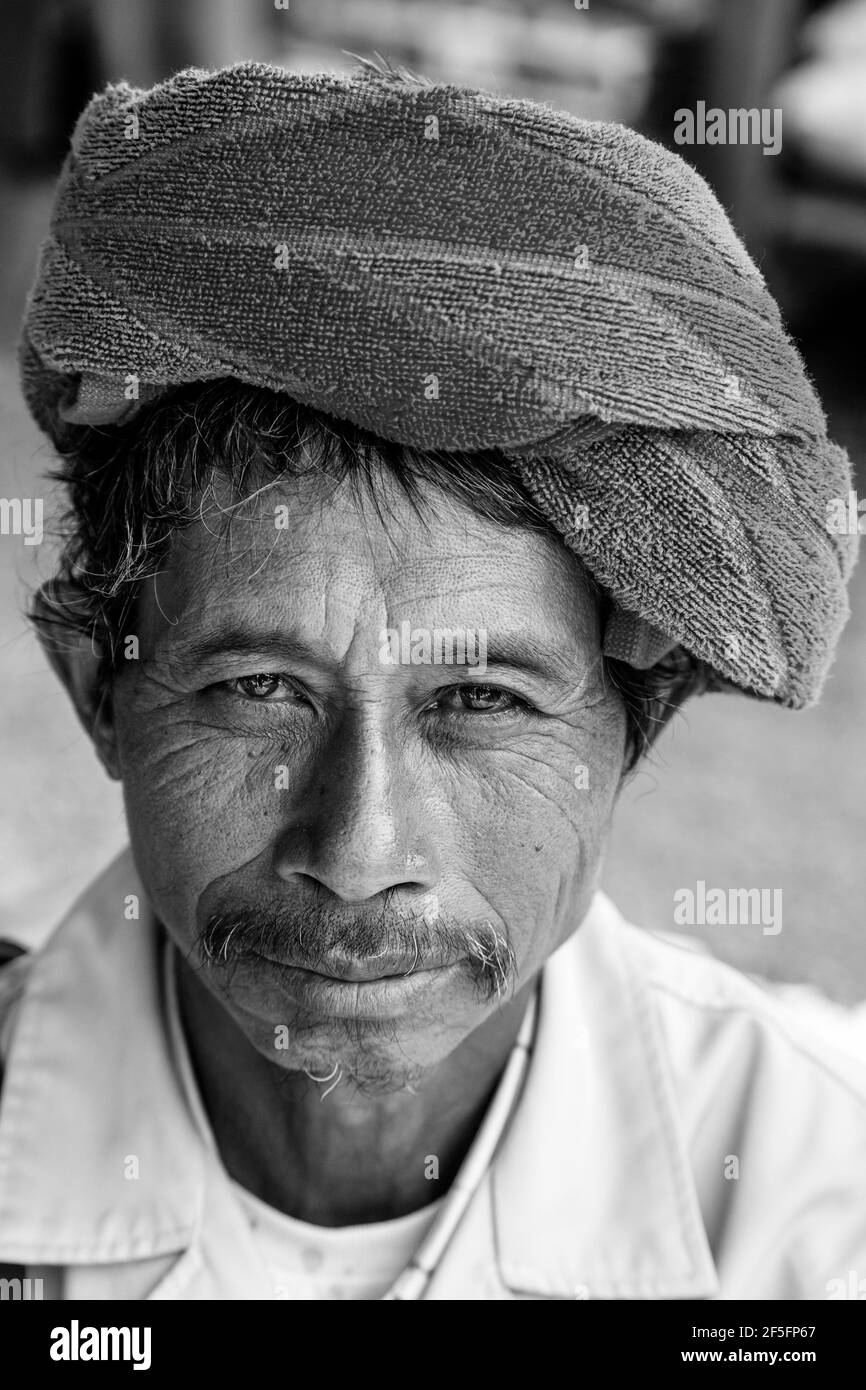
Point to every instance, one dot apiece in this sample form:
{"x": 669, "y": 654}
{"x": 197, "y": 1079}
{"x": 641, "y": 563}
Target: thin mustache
{"x": 309, "y": 936}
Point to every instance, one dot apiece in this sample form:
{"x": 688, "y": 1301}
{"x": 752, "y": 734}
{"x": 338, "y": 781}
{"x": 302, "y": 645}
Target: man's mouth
{"x": 349, "y": 971}
{"x": 354, "y": 989}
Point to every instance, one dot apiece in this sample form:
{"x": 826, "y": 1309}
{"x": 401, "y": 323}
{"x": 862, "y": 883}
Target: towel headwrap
{"x": 452, "y": 270}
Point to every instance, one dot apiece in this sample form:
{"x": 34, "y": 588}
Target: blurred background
{"x": 739, "y": 793}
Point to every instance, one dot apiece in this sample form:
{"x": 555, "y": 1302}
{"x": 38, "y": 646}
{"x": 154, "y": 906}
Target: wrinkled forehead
{"x": 329, "y": 557}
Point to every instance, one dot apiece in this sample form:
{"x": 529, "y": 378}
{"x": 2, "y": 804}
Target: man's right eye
{"x": 265, "y": 688}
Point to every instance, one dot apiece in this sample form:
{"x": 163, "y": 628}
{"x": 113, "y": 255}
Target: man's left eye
{"x": 264, "y": 686}
{"x": 480, "y": 699}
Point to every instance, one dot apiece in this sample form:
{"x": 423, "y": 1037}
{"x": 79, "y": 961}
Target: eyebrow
{"x": 239, "y": 641}
{"x": 521, "y": 651}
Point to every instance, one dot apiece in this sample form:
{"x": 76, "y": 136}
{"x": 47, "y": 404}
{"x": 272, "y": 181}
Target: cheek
{"x": 531, "y": 831}
{"x": 199, "y": 804}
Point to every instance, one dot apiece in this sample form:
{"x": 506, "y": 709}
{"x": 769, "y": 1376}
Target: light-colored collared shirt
{"x": 680, "y": 1134}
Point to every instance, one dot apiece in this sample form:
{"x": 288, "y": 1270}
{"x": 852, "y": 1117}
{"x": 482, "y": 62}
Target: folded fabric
{"x": 455, "y": 270}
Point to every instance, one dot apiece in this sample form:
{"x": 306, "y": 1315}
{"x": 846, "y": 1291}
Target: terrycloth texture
{"x": 454, "y": 270}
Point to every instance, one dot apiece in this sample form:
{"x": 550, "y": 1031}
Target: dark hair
{"x": 131, "y": 485}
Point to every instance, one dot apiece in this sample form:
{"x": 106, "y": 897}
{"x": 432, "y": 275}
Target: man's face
{"x": 366, "y": 842}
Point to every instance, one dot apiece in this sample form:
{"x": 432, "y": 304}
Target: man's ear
{"x": 76, "y": 658}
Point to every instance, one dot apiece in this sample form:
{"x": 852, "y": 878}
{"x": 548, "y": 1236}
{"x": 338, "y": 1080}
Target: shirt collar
{"x": 593, "y": 1193}
{"x": 91, "y": 1104}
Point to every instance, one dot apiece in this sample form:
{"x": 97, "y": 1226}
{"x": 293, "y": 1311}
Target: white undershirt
{"x": 305, "y": 1261}
{"x": 325, "y": 1262}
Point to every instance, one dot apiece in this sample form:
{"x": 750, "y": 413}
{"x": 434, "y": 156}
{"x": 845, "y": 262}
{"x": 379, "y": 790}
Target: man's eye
{"x": 264, "y": 686}
{"x": 480, "y": 699}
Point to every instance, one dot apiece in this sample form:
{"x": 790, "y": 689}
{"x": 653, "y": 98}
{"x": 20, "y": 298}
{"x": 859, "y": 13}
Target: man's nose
{"x": 360, "y": 824}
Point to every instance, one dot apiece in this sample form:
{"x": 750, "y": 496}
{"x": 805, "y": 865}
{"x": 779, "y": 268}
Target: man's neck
{"x": 350, "y": 1157}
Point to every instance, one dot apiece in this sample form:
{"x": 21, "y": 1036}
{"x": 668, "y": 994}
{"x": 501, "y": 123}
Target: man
{"x": 425, "y": 451}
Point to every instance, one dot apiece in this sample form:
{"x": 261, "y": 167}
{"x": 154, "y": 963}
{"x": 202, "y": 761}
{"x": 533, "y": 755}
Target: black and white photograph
{"x": 433, "y": 460}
